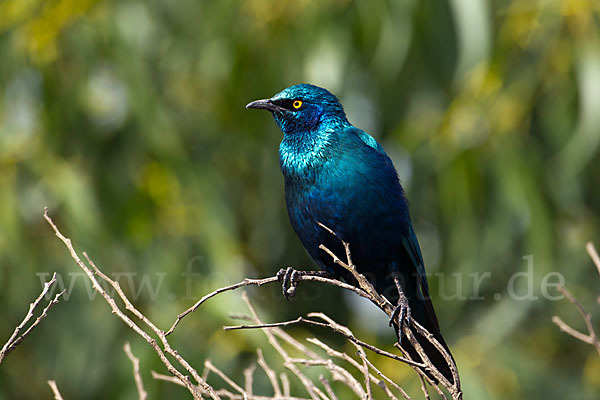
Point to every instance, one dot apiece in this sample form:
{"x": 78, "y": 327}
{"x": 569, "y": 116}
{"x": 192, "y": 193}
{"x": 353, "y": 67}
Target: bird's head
{"x": 302, "y": 108}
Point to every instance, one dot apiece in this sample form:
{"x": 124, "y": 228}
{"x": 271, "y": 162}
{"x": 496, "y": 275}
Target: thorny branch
{"x": 591, "y": 337}
{"x": 280, "y": 341}
{"x": 15, "y": 338}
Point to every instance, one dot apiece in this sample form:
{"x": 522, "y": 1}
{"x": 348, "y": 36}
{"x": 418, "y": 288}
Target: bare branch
{"x": 424, "y": 387}
{"x": 129, "y": 322}
{"x": 314, "y": 392}
{"x": 342, "y": 374}
{"x": 361, "y": 353}
{"x": 166, "y": 378}
{"x": 55, "y": 391}
{"x": 211, "y": 367}
{"x": 278, "y": 339}
{"x": 15, "y": 339}
{"x": 384, "y": 304}
{"x": 285, "y": 382}
{"x": 591, "y": 249}
{"x": 260, "y": 282}
{"x": 344, "y": 356}
{"x": 388, "y": 380}
{"x": 339, "y": 373}
{"x": 365, "y": 371}
{"x": 270, "y": 373}
{"x": 326, "y": 325}
{"x": 225, "y": 393}
{"x": 454, "y": 389}
{"x": 142, "y": 394}
{"x": 591, "y": 337}
{"x": 243, "y": 394}
{"x": 328, "y": 388}
{"x": 249, "y": 378}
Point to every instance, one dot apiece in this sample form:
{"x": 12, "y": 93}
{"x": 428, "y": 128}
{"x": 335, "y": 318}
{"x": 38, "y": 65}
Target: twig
{"x": 589, "y": 246}
{"x": 328, "y": 388}
{"x": 211, "y": 367}
{"x": 388, "y": 380}
{"x": 15, "y": 339}
{"x": 339, "y": 373}
{"x": 55, "y": 391}
{"x": 285, "y": 382}
{"x": 359, "y": 351}
{"x": 160, "y": 333}
{"x": 453, "y": 370}
{"x": 591, "y": 337}
{"x": 456, "y": 394}
{"x": 325, "y": 325}
{"x": 334, "y": 353}
{"x": 424, "y": 387}
{"x": 384, "y": 304}
{"x": 286, "y": 396}
{"x": 142, "y": 394}
{"x": 249, "y": 378}
{"x": 366, "y": 374}
{"x": 314, "y": 392}
{"x": 270, "y": 373}
{"x": 243, "y": 394}
{"x": 260, "y": 282}
{"x": 166, "y": 378}
{"x": 344, "y": 356}
{"x": 276, "y": 337}
{"x": 129, "y": 322}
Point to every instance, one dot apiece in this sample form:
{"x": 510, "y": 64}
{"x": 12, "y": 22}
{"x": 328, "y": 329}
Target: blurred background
{"x": 126, "y": 118}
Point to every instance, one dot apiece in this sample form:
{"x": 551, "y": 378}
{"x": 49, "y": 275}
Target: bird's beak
{"x": 266, "y": 104}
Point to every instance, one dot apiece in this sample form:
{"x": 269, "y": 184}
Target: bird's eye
{"x": 297, "y": 104}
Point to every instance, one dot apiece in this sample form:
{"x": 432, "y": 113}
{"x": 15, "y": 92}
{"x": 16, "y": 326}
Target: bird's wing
{"x": 413, "y": 250}
{"x": 368, "y": 140}
{"x": 409, "y": 240}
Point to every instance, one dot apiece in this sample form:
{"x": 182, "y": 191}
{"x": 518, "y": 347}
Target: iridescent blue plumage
{"x": 340, "y": 176}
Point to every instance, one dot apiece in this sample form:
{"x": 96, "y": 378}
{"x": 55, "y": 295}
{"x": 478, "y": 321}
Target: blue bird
{"x": 338, "y": 175}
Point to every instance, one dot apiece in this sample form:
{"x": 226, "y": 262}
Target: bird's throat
{"x": 303, "y": 154}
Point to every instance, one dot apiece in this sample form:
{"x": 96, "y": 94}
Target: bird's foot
{"x": 290, "y": 277}
{"x": 289, "y": 281}
{"x": 402, "y": 312}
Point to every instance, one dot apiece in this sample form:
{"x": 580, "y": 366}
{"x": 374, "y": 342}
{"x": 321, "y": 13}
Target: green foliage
{"x": 127, "y": 119}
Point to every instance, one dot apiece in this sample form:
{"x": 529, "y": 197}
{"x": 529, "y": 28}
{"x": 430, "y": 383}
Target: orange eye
{"x": 297, "y": 104}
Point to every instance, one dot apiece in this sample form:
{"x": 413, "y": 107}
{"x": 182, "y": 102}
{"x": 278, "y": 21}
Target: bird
{"x": 339, "y": 177}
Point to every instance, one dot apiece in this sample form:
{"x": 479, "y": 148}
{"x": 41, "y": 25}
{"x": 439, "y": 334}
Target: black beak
{"x": 266, "y": 104}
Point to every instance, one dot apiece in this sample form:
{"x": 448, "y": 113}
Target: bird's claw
{"x": 402, "y": 312}
{"x": 290, "y": 277}
{"x": 289, "y": 281}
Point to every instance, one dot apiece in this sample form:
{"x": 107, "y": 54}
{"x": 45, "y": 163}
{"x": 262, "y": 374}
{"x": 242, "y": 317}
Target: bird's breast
{"x": 352, "y": 189}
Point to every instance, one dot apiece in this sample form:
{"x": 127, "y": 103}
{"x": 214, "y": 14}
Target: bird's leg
{"x": 402, "y": 309}
{"x": 289, "y": 278}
